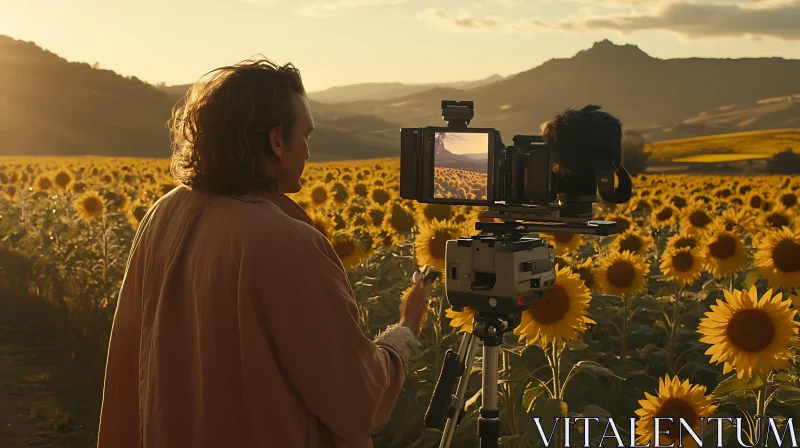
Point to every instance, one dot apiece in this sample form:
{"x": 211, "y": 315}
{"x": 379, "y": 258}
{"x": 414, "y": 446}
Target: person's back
{"x": 236, "y": 326}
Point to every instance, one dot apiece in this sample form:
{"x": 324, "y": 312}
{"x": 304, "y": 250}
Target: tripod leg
{"x": 467, "y": 356}
{"x": 489, "y": 420}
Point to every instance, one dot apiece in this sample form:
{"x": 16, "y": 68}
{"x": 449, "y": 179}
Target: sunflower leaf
{"x": 576, "y": 345}
{"x": 595, "y": 367}
{"x": 734, "y": 384}
{"x": 789, "y": 396}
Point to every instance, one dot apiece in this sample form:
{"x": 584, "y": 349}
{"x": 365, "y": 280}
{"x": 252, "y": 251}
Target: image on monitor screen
{"x": 460, "y": 164}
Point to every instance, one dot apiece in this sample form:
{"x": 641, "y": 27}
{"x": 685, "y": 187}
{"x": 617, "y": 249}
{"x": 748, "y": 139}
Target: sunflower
{"x": 723, "y": 251}
{"x": 135, "y": 213}
{"x": 755, "y": 200}
{"x": 622, "y": 273}
{"x": 399, "y": 222}
{"x": 564, "y": 243}
{"x": 696, "y": 218}
{"x": 684, "y": 239}
{"x": 119, "y": 201}
{"x": 664, "y": 216}
{"x": 349, "y": 249}
{"x": 339, "y": 192}
{"x": 750, "y": 335}
{"x": 361, "y": 189}
{"x": 380, "y": 195}
{"x": 89, "y": 205}
{"x": 586, "y": 271}
{"x": 623, "y": 222}
{"x": 776, "y": 218}
{"x": 462, "y": 320}
{"x": 778, "y": 258}
{"x": 675, "y": 400}
{"x": 430, "y": 242}
{"x": 43, "y": 183}
{"x": 323, "y": 223}
{"x": 442, "y": 212}
{"x": 634, "y": 241}
{"x": 318, "y": 194}
{"x": 682, "y": 266}
{"x": 10, "y": 192}
{"x": 63, "y": 179}
{"x": 560, "y": 313}
{"x": 788, "y": 198}
{"x": 735, "y": 219}
{"x": 377, "y": 215}
{"x": 678, "y": 202}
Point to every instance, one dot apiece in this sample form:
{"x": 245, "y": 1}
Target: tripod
{"x": 445, "y": 410}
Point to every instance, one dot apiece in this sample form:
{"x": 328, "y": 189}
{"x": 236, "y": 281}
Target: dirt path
{"x": 33, "y": 412}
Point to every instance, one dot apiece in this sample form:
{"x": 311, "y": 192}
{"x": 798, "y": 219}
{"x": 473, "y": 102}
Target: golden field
{"x": 764, "y": 143}
{"x": 690, "y": 311}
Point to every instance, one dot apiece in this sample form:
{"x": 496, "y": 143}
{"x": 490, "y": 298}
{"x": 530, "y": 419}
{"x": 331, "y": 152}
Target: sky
{"x": 341, "y": 42}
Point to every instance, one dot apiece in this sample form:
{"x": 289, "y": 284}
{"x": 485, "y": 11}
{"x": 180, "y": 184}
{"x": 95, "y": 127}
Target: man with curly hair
{"x": 236, "y": 325}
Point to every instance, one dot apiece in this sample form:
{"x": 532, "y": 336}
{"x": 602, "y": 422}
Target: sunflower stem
{"x": 625, "y": 321}
{"x": 671, "y": 343}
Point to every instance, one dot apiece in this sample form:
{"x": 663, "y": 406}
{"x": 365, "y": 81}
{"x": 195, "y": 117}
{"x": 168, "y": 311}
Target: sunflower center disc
{"x": 586, "y": 276}
{"x": 751, "y": 330}
{"x": 319, "y": 195}
{"x": 344, "y": 248}
{"x": 789, "y": 200}
{"x": 723, "y": 248}
{"x": 400, "y": 220}
{"x": 664, "y": 214}
{"x": 92, "y": 205}
{"x": 685, "y": 242}
{"x": 676, "y": 408}
{"x": 678, "y": 202}
{"x": 683, "y": 261}
{"x": 786, "y": 256}
{"x": 564, "y": 237}
{"x": 621, "y": 274}
{"x": 755, "y": 202}
{"x": 438, "y": 244}
{"x": 699, "y": 219}
{"x": 631, "y": 243}
{"x": 622, "y": 224}
{"x": 777, "y": 220}
{"x": 552, "y": 307}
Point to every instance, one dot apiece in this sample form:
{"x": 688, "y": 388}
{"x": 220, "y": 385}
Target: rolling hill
{"x": 644, "y": 92}
{"x": 389, "y": 90}
{"x": 752, "y": 144}
{"x": 50, "y": 106}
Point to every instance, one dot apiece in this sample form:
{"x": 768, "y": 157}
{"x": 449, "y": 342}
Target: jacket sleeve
{"x": 349, "y": 382}
{"x": 119, "y": 414}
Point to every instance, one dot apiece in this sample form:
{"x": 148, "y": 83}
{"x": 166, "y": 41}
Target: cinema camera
{"x": 532, "y": 186}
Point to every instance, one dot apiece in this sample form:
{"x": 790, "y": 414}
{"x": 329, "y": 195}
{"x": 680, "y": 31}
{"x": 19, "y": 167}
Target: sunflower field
{"x": 689, "y": 311}
{"x": 459, "y": 184}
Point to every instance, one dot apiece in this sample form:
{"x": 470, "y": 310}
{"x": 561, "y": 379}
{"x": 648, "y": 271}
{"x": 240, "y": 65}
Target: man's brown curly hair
{"x": 220, "y": 129}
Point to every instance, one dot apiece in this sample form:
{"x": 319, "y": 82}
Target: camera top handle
{"x": 457, "y": 114}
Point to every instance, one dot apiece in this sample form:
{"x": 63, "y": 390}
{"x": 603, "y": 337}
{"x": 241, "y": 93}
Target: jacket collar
{"x": 285, "y": 203}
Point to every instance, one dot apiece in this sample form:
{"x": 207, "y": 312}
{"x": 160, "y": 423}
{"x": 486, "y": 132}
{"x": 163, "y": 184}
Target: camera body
{"x": 458, "y": 165}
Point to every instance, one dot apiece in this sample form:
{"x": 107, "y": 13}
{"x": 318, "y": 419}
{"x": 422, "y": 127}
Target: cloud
{"x": 441, "y": 18}
{"x": 755, "y": 18}
{"x": 764, "y": 19}
{"x": 325, "y": 8}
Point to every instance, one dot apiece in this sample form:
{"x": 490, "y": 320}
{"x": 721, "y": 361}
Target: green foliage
{"x": 784, "y": 162}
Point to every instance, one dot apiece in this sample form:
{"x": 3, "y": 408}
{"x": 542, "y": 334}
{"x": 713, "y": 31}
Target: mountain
{"x": 49, "y": 106}
{"x": 768, "y": 113}
{"x": 389, "y": 90}
{"x": 466, "y": 162}
{"x": 642, "y": 91}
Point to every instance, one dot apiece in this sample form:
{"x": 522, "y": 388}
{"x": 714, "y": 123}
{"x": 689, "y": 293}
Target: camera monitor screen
{"x": 460, "y": 165}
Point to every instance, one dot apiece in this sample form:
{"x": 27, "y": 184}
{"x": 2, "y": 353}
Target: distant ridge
{"x": 49, "y": 106}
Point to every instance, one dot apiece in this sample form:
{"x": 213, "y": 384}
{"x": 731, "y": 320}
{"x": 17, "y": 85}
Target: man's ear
{"x": 276, "y": 141}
